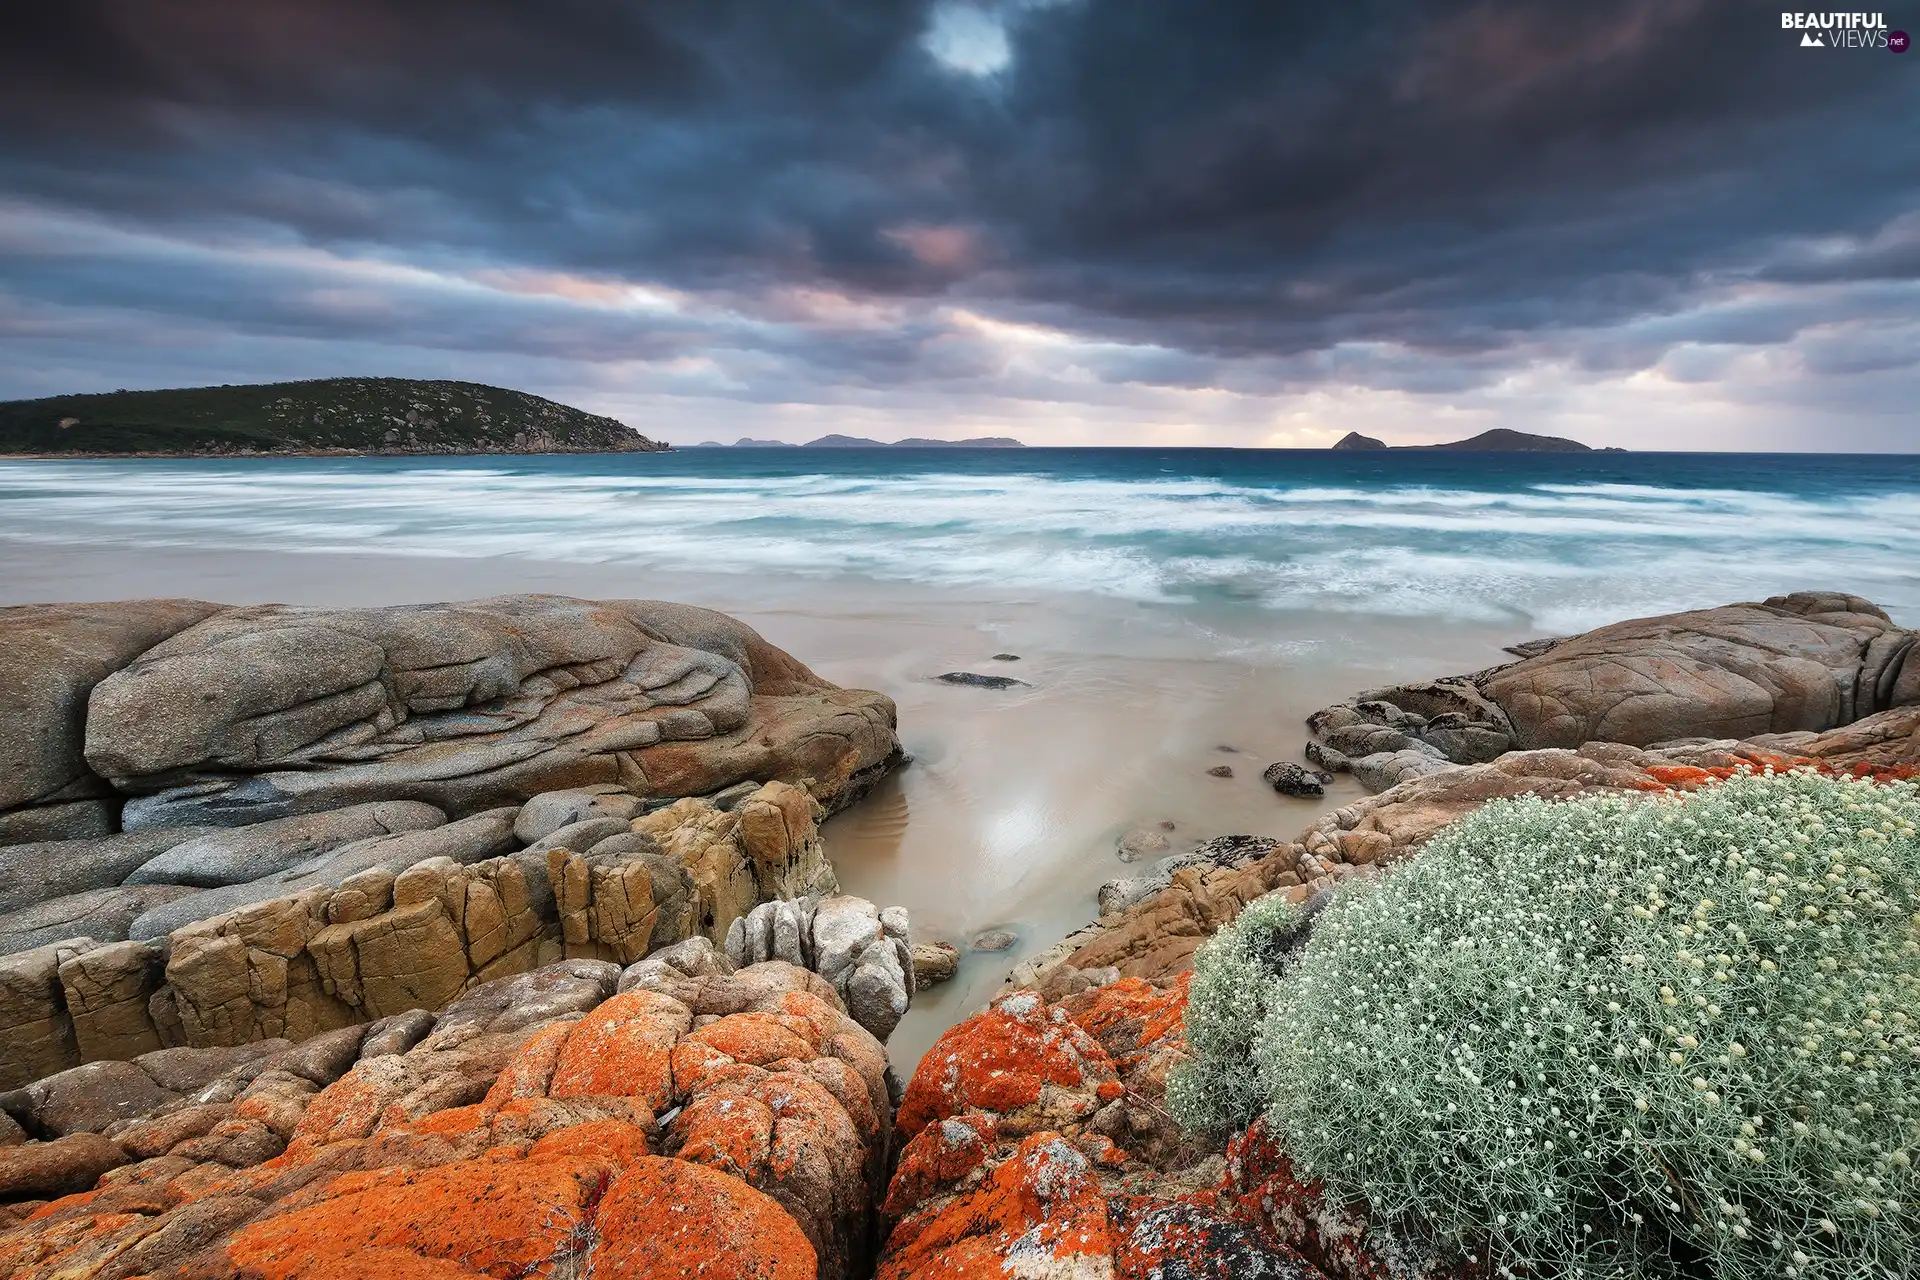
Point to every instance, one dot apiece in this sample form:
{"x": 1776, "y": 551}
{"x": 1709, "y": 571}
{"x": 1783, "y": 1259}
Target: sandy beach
{"x": 1011, "y": 812}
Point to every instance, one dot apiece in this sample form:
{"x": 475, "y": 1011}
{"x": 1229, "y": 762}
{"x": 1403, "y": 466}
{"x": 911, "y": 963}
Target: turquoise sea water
{"x": 1554, "y": 542}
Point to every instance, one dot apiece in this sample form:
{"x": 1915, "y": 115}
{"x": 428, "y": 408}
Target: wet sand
{"x": 1010, "y": 815}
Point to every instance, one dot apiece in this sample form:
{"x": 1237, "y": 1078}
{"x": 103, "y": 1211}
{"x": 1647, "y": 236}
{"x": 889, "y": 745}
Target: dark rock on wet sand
{"x": 979, "y": 681}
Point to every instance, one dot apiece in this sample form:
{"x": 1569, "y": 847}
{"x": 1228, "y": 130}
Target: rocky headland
{"x": 343, "y": 416}
{"x": 498, "y": 939}
{"x": 1498, "y": 440}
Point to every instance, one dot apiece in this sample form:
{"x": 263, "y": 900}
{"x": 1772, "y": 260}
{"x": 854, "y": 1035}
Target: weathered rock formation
{"x": 399, "y": 922}
{"x": 267, "y": 712}
{"x": 51, "y": 657}
{"x": 1036, "y": 1144}
{"x": 734, "y": 1124}
{"x": 327, "y": 812}
{"x": 1802, "y": 663}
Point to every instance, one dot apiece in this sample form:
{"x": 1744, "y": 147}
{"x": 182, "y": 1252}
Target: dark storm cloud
{"x": 1261, "y": 196}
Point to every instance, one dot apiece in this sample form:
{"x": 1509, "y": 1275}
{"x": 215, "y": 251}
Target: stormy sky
{"x": 1654, "y": 223}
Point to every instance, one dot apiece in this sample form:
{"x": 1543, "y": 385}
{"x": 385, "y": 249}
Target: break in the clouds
{"x": 1657, "y": 223}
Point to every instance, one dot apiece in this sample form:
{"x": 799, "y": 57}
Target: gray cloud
{"x": 1168, "y": 213}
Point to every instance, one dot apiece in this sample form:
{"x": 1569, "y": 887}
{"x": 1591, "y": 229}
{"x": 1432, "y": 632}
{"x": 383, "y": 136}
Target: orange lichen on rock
{"x": 1131, "y": 1017}
{"x": 1264, "y": 1190}
{"x": 939, "y": 1156}
{"x": 1042, "y": 1206}
{"x": 622, "y": 1049}
{"x": 490, "y": 1216}
{"x": 506, "y": 1151}
{"x": 664, "y": 1219}
{"x": 1001, "y": 1060}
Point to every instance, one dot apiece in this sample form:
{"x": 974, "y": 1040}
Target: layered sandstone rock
{"x": 542, "y": 1124}
{"x": 1804, "y": 663}
{"x": 327, "y": 809}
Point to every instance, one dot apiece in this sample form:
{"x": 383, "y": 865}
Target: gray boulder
{"x": 102, "y": 914}
{"x": 1289, "y": 779}
{"x": 51, "y": 658}
{"x": 236, "y": 856}
{"x": 581, "y": 837}
{"x": 470, "y": 840}
{"x": 1811, "y": 661}
{"x": 31, "y": 873}
{"x": 691, "y": 958}
{"x": 862, "y": 951}
{"x": 549, "y": 811}
{"x": 529, "y": 999}
{"x": 1804, "y": 663}
{"x": 87, "y": 1099}
{"x": 1391, "y": 768}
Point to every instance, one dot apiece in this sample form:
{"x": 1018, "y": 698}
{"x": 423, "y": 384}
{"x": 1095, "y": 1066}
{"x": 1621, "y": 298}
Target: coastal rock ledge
{"x": 170, "y": 713}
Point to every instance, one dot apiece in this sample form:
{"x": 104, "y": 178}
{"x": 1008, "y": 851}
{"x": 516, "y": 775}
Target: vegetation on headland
{"x": 1605, "y": 1037}
{"x": 332, "y": 415}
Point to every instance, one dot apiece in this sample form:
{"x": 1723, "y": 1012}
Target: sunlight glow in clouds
{"x": 968, "y": 38}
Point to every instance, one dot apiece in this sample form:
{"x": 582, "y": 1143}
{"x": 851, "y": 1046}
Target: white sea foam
{"x": 1558, "y": 555}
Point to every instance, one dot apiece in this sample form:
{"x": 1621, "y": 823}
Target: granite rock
{"x": 1805, "y": 663}
{"x": 242, "y": 854}
{"x": 269, "y": 711}
{"x": 466, "y": 841}
{"x": 102, "y": 914}
{"x": 51, "y": 658}
{"x": 36, "y": 872}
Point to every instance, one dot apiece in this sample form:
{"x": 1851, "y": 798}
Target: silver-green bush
{"x": 1610, "y": 1037}
{"x": 1233, "y": 979}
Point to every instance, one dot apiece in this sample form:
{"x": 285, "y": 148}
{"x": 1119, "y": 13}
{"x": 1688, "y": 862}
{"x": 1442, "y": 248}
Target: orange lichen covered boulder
{"x": 1018, "y": 1053}
{"x": 665, "y": 1219}
{"x": 940, "y": 1155}
{"x": 493, "y": 1217}
{"x": 1130, "y": 1018}
{"x": 1156, "y": 1239}
{"x": 1118, "y": 1191}
{"x": 503, "y": 1147}
{"x": 622, "y": 1048}
{"x": 1263, "y": 1190}
{"x": 1042, "y": 1206}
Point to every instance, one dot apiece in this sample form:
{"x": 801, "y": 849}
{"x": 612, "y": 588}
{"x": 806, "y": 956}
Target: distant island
{"x": 861, "y": 442}
{"x": 330, "y": 416}
{"x": 1498, "y": 440}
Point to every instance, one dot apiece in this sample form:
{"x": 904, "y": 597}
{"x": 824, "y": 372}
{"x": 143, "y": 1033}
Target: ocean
{"x": 1541, "y": 542}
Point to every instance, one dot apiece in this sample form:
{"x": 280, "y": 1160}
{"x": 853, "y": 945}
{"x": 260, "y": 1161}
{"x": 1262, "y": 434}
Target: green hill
{"x": 332, "y": 415}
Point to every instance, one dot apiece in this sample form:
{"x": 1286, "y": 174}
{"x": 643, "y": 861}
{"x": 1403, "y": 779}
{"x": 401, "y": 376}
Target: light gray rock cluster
{"x": 865, "y": 952}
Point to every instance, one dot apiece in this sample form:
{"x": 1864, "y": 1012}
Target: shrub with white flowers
{"x": 1672, "y": 1036}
